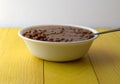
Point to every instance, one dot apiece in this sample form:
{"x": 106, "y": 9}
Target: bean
{"x": 59, "y": 34}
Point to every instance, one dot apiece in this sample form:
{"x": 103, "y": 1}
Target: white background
{"x": 93, "y": 13}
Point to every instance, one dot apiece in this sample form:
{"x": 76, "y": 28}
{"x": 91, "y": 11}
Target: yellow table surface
{"x": 100, "y": 66}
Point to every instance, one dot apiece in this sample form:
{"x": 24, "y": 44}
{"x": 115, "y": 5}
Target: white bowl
{"x": 58, "y": 51}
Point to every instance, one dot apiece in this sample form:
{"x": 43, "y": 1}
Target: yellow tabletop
{"x": 100, "y": 66}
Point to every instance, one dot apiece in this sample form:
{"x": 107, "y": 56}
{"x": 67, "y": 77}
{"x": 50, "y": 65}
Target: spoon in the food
{"x": 108, "y": 31}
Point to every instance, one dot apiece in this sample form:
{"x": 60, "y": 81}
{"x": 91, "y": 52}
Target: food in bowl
{"x": 54, "y": 44}
{"x": 58, "y": 34}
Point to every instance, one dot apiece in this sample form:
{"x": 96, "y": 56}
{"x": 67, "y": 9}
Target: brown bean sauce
{"x": 58, "y": 34}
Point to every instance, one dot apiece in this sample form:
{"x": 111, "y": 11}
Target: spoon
{"x": 108, "y": 31}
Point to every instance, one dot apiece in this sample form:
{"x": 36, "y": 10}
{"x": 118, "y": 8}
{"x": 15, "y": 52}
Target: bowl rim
{"x": 77, "y": 26}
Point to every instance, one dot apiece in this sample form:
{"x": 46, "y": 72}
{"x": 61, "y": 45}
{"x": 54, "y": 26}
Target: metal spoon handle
{"x": 108, "y": 31}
